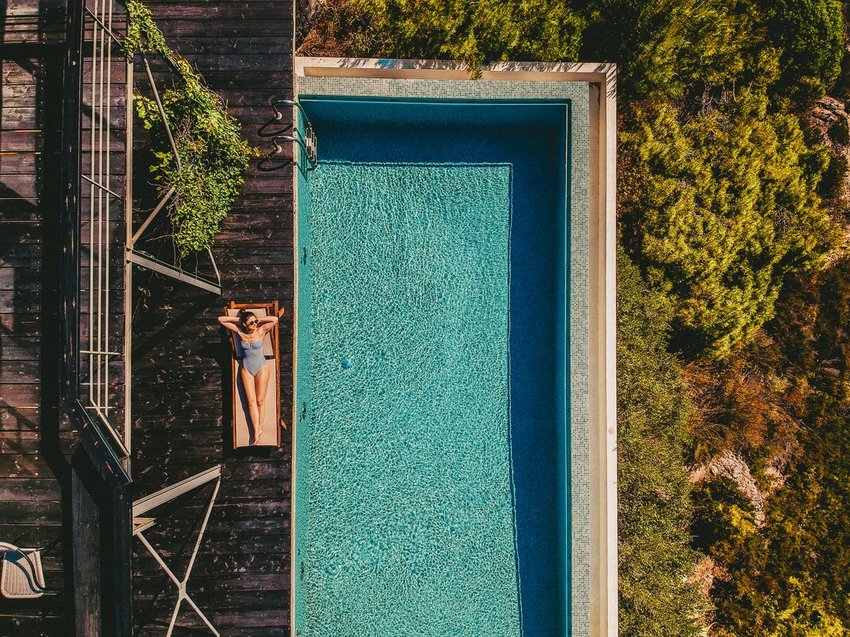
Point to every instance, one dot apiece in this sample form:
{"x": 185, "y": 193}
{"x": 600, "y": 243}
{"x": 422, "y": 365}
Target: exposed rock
{"x": 826, "y": 112}
{"x": 732, "y": 466}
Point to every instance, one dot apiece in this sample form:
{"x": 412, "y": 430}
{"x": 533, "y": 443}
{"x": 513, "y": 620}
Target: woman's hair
{"x": 244, "y": 315}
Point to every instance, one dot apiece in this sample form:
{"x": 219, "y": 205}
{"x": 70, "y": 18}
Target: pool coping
{"x": 594, "y": 550}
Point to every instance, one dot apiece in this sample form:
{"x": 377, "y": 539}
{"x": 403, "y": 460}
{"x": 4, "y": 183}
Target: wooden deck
{"x": 34, "y": 473}
{"x": 180, "y": 358}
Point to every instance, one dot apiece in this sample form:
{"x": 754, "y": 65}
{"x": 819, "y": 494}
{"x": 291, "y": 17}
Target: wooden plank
{"x": 23, "y": 460}
{"x": 87, "y": 576}
{"x": 20, "y": 324}
{"x": 16, "y": 372}
{"x": 235, "y": 41}
{"x": 20, "y": 397}
{"x": 19, "y": 348}
{"x": 15, "y": 418}
{"x": 21, "y": 165}
{"x": 29, "y": 489}
{"x": 18, "y": 95}
{"x": 247, "y": 63}
{"x": 272, "y": 210}
{"x": 35, "y": 516}
{"x": 17, "y": 622}
{"x": 20, "y": 233}
{"x": 30, "y": 442}
{"x": 19, "y": 255}
{"x": 49, "y": 604}
{"x": 19, "y": 72}
{"x": 201, "y": 10}
{"x": 275, "y": 82}
{"x": 247, "y": 601}
{"x": 264, "y": 620}
{"x": 238, "y": 582}
{"x": 22, "y": 278}
{"x": 19, "y": 186}
{"x": 33, "y": 8}
{"x": 19, "y": 117}
{"x": 212, "y": 28}
{"x": 259, "y": 255}
{"x": 11, "y": 301}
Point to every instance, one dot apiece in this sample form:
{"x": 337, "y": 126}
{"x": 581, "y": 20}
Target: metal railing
{"x": 307, "y": 140}
{"x": 104, "y": 67}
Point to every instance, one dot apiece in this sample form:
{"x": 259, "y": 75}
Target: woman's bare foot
{"x": 259, "y": 435}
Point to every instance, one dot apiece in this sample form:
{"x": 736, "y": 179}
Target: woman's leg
{"x": 261, "y": 385}
{"x": 251, "y": 399}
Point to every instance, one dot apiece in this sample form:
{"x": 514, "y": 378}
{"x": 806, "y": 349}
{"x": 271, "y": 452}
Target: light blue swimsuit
{"x": 254, "y": 359}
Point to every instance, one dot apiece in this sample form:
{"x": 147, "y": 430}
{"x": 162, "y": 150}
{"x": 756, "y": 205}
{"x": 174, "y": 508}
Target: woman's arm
{"x": 229, "y": 323}
{"x": 267, "y": 323}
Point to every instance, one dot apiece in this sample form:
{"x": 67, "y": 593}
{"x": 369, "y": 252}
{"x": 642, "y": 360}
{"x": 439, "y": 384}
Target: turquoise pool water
{"x": 429, "y": 489}
{"x": 410, "y": 489}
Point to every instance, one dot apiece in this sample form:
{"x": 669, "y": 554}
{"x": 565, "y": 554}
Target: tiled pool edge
{"x": 593, "y": 591}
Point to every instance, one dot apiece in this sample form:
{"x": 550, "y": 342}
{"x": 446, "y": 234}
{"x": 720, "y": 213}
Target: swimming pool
{"x": 433, "y": 469}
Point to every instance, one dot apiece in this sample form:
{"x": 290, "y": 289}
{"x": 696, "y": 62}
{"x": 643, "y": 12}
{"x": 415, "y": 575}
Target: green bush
{"x": 789, "y": 578}
{"x": 654, "y": 508}
{"x": 474, "y": 31}
{"x": 835, "y": 177}
{"x": 213, "y": 155}
{"x": 811, "y": 35}
{"x": 667, "y": 48}
{"x": 721, "y": 207}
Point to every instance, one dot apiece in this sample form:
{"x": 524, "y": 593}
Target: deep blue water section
{"x": 531, "y": 139}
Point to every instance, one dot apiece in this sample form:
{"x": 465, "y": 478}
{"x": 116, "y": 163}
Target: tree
{"x": 719, "y": 209}
{"x": 789, "y": 577}
{"x": 667, "y": 48}
{"x": 811, "y": 36}
{"x": 476, "y": 31}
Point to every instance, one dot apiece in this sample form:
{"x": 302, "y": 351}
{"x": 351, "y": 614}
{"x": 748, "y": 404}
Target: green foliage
{"x": 811, "y": 35}
{"x": 835, "y": 176}
{"x": 213, "y": 157}
{"x": 720, "y": 209}
{"x": 142, "y": 32}
{"x": 790, "y": 578}
{"x": 723, "y": 206}
{"x": 654, "y": 506}
{"x": 476, "y": 31}
{"x": 666, "y": 48}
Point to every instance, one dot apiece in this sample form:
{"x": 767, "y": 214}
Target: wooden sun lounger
{"x": 243, "y": 434}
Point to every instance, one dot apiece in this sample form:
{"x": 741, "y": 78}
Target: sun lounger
{"x": 243, "y": 433}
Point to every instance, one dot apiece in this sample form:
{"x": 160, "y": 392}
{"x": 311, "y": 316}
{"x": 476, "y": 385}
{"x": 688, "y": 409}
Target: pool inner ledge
{"x": 477, "y": 123}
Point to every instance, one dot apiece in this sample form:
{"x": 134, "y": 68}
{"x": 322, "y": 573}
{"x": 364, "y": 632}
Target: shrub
{"x": 811, "y": 35}
{"x": 667, "y": 48}
{"x": 790, "y": 578}
{"x": 746, "y": 403}
{"x": 835, "y": 176}
{"x": 654, "y": 511}
{"x": 476, "y": 31}
{"x": 726, "y": 209}
{"x": 213, "y": 155}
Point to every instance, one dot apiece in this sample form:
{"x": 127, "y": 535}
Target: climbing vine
{"x": 212, "y": 157}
